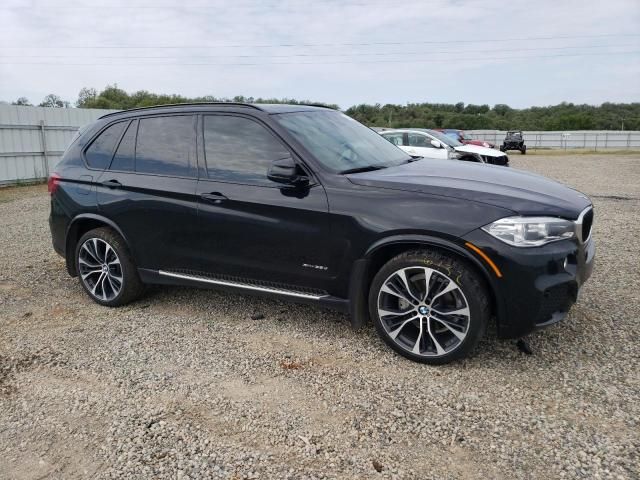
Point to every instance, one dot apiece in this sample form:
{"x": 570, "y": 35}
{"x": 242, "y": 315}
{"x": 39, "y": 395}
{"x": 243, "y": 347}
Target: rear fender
{"x": 72, "y": 236}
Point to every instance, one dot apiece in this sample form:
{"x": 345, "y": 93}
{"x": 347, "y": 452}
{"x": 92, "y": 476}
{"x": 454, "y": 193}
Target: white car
{"x": 431, "y": 144}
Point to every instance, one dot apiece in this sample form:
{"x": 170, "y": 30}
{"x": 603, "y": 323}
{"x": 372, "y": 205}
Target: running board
{"x": 246, "y": 286}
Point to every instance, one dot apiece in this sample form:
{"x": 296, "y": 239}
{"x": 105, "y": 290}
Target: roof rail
{"x": 233, "y": 104}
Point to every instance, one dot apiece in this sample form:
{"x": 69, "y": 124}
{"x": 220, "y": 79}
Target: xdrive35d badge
{"x": 305, "y": 203}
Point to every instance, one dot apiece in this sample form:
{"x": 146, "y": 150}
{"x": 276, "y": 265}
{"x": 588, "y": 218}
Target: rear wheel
{"x": 105, "y": 268}
{"x": 428, "y": 306}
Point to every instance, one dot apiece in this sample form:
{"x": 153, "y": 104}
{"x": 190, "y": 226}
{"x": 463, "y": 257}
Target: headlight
{"x": 531, "y": 231}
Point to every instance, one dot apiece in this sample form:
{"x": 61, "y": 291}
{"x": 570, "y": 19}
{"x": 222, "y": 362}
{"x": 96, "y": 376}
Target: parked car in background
{"x": 464, "y": 138}
{"x": 514, "y": 141}
{"x": 433, "y": 144}
{"x": 304, "y": 203}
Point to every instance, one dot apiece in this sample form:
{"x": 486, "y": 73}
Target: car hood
{"x": 516, "y": 190}
{"x": 479, "y": 143}
{"x": 489, "y": 152}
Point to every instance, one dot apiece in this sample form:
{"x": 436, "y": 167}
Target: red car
{"x": 464, "y": 138}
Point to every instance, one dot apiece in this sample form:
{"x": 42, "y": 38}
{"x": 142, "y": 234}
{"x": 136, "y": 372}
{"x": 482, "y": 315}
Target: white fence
{"x": 32, "y": 139}
{"x": 579, "y": 139}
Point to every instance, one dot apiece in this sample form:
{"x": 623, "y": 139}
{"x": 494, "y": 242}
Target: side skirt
{"x": 192, "y": 279}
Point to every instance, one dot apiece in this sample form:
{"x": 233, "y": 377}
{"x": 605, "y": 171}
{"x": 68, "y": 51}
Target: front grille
{"x": 501, "y": 160}
{"x": 587, "y": 223}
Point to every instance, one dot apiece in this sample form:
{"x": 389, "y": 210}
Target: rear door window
{"x": 99, "y": 153}
{"x": 395, "y": 138}
{"x": 166, "y": 146}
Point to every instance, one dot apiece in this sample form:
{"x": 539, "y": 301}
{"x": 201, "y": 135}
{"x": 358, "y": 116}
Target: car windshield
{"x": 465, "y": 136}
{"x": 341, "y": 143}
{"x": 514, "y": 135}
{"x": 444, "y": 138}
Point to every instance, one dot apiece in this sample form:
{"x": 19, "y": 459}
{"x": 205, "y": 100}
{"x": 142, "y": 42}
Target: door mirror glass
{"x": 436, "y": 143}
{"x": 285, "y": 170}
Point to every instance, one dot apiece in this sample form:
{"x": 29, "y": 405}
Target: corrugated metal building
{"x": 32, "y": 139}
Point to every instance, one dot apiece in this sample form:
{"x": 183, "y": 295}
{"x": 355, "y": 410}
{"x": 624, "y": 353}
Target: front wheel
{"x": 428, "y": 306}
{"x": 524, "y": 150}
{"x": 105, "y": 268}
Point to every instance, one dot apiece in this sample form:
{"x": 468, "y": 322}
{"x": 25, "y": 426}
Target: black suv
{"x": 514, "y": 140}
{"x": 305, "y": 203}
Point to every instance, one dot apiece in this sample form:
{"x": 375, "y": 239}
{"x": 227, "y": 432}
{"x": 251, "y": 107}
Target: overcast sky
{"x": 519, "y": 52}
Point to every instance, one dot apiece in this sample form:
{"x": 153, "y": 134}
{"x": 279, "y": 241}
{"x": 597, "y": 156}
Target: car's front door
{"x": 149, "y": 190}
{"x": 249, "y": 226}
{"x": 420, "y": 144}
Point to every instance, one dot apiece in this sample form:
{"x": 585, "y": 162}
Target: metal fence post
{"x": 43, "y": 140}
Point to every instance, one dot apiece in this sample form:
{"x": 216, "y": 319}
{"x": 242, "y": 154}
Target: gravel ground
{"x": 185, "y": 384}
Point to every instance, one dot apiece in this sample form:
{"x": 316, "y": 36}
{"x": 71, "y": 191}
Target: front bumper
{"x": 538, "y": 285}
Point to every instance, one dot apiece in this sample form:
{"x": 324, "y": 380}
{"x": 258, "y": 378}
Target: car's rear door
{"x": 149, "y": 190}
{"x": 249, "y": 226}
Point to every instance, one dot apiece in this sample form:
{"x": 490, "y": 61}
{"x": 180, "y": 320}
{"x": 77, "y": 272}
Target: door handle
{"x": 213, "y": 197}
{"x": 112, "y": 184}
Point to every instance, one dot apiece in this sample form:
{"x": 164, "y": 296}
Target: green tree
{"x": 86, "y": 97}
{"x": 54, "y": 101}
{"x": 23, "y": 101}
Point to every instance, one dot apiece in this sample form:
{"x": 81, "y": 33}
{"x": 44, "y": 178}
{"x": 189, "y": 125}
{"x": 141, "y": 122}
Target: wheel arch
{"x": 383, "y": 250}
{"x": 78, "y": 227}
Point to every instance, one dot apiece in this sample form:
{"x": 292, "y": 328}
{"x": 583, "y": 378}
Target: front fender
{"x": 360, "y": 276}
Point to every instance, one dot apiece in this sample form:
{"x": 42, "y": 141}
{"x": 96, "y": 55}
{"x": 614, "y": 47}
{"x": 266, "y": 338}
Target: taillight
{"x": 53, "y": 182}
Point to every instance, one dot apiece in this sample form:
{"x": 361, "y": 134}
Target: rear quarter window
{"x": 100, "y": 152}
{"x": 123, "y": 160}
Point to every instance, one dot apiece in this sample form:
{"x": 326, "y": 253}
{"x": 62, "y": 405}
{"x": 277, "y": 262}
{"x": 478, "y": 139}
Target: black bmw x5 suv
{"x": 305, "y": 203}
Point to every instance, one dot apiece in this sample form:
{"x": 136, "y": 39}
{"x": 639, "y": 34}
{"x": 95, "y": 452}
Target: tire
{"x": 453, "y": 287}
{"x": 503, "y": 148}
{"x": 105, "y": 268}
{"x": 524, "y": 150}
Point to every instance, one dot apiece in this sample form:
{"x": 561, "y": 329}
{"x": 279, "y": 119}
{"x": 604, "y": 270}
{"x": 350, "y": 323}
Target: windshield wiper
{"x": 368, "y": 168}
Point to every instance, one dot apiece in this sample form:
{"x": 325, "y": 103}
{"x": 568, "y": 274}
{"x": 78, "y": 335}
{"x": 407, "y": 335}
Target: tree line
{"x": 565, "y": 116}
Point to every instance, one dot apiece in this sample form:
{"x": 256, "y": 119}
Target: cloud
{"x": 344, "y": 52}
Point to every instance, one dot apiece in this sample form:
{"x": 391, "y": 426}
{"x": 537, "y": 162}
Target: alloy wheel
{"x": 100, "y": 269}
{"x": 423, "y": 311}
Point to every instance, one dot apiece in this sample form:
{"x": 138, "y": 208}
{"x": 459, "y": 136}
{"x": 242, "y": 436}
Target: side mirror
{"x": 436, "y": 143}
{"x": 285, "y": 170}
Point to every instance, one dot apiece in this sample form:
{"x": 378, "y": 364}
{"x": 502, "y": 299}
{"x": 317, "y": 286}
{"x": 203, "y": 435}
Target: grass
{"x": 12, "y": 192}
